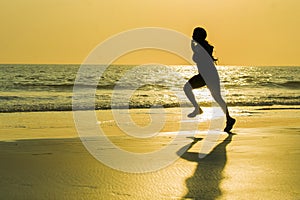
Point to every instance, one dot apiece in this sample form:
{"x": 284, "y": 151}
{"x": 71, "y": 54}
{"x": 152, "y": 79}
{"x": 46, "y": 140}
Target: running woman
{"x": 208, "y": 75}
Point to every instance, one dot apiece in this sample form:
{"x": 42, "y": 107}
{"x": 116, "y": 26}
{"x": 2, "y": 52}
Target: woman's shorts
{"x": 197, "y": 81}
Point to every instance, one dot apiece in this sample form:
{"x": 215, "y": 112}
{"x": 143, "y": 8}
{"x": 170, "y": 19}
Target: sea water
{"x": 27, "y": 87}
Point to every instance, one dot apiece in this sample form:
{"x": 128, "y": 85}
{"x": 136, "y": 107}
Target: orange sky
{"x": 244, "y": 32}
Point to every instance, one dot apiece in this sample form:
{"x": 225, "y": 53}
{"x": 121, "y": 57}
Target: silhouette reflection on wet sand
{"x": 205, "y": 182}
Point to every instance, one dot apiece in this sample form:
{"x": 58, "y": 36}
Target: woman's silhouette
{"x": 208, "y": 76}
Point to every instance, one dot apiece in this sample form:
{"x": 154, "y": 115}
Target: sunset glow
{"x": 63, "y": 31}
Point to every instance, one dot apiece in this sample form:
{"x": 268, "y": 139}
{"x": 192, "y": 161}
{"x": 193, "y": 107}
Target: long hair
{"x": 199, "y": 36}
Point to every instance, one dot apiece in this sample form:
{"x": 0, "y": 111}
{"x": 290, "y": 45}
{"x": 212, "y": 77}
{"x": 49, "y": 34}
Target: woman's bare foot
{"x": 196, "y": 112}
{"x": 229, "y": 124}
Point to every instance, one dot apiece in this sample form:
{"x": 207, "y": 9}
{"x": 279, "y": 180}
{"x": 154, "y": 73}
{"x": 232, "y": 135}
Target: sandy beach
{"x": 95, "y": 100}
{"x": 42, "y": 157}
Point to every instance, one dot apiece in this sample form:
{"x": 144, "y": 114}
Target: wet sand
{"x": 43, "y": 158}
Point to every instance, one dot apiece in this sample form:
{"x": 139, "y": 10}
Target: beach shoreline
{"x": 44, "y": 159}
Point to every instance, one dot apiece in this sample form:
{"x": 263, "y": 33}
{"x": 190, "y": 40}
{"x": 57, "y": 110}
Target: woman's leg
{"x": 196, "y": 81}
{"x": 188, "y": 90}
{"x": 219, "y": 99}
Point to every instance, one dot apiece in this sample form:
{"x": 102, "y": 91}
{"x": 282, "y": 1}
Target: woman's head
{"x": 199, "y": 34}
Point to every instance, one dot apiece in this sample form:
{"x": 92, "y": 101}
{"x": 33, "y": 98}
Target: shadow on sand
{"x": 205, "y": 183}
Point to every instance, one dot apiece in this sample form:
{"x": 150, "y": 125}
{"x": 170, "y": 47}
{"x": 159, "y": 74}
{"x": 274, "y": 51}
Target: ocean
{"x": 29, "y": 88}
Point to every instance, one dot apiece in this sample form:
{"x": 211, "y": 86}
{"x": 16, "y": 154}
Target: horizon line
{"x": 234, "y": 65}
